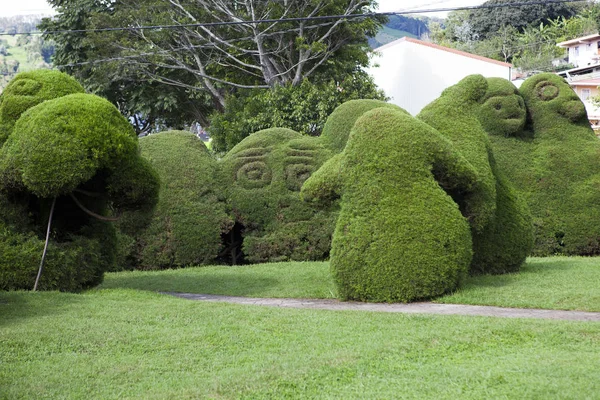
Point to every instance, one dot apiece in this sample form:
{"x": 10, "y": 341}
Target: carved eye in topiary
{"x": 296, "y": 174}
{"x": 254, "y": 175}
{"x": 546, "y": 90}
{"x": 25, "y": 87}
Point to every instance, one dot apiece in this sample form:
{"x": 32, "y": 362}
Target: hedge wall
{"x": 399, "y": 236}
{"x": 190, "y": 217}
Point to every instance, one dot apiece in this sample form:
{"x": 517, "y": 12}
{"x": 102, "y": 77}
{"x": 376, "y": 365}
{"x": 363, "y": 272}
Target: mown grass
{"x": 562, "y": 283}
{"x": 124, "y": 344}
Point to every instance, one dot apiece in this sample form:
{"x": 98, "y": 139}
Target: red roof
{"x": 448, "y": 49}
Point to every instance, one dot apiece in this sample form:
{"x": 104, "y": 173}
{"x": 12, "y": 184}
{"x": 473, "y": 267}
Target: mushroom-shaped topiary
{"x": 501, "y": 222}
{"x": 562, "y": 167}
{"x": 263, "y": 175}
{"x": 28, "y": 89}
{"x": 399, "y": 235}
{"x": 190, "y": 216}
{"x": 75, "y": 160}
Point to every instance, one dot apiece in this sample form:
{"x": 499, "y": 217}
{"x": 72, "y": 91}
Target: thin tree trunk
{"x": 37, "y": 279}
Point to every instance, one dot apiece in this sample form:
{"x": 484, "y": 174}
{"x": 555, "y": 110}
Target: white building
{"x": 413, "y": 73}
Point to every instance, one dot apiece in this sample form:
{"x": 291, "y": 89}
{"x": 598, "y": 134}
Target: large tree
{"x": 208, "y": 47}
{"x": 486, "y": 22}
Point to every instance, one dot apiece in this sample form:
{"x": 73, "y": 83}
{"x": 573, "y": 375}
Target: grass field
{"x": 124, "y": 343}
{"x": 554, "y": 283}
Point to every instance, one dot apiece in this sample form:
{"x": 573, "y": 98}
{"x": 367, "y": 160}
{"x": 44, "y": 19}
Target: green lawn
{"x": 569, "y": 283}
{"x": 124, "y": 343}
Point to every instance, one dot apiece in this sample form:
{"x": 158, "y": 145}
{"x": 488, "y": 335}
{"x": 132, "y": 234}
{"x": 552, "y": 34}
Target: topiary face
{"x": 502, "y": 110}
{"x": 549, "y": 96}
{"x": 28, "y": 89}
{"x": 265, "y": 173}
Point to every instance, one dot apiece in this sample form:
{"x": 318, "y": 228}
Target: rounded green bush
{"x": 189, "y": 219}
{"x": 559, "y": 169}
{"x": 263, "y": 175}
{"x": 399, "y": 235}
{"x": 78, "y": 152}
{"x": 339, "y": 124}
{"x": 28, "y": 89}
{"x": 501, "y": 222}
{"x": 62, "y": 143}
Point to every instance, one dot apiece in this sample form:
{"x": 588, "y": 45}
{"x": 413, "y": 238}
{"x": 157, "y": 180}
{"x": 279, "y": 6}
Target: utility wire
{"x": 299, "y": 19}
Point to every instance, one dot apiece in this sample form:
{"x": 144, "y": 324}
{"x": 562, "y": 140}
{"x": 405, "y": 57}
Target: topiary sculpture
{"x": 399, "y": 235}
{"x": 339, "y": 124}
{"x": 263, "y": 175}
{"x": 73, "y": 161}
{"x": 28, "y": 89}
{"x": 563, "y": 169}
{"x": 190, "y": 217}
{"x": 500, "y": 220}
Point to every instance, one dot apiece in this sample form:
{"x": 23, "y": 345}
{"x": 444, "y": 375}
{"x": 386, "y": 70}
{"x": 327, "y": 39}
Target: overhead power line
{"x": 299, "y": 19}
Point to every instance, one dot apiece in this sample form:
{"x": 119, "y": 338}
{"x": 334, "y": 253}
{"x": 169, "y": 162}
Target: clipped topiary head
{"x": 28, "y": 89}
{"x": 264, "y": 174}
{"x": 549, "y": 99}
{"x": 339, "y": 124}
{"x": 62, "y": 143}
{"x": 502, "y": 110}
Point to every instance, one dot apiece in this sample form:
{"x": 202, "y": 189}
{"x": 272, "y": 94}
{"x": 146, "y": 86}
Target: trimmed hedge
{"x": 500, "y": 221}
{"x": 399, "y": 235}
{"x": 339, "y": 124}
{"x": 562, "y": 164}
{"x": 79, "y": 150}
{"x": 190, "y": 218}
{"x": 28, "y": 89}
{"x": 263, "y": 175}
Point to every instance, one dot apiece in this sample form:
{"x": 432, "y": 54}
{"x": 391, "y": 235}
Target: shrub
{"x": 263, "y": 175}
{"x": 303, "y": 108}
{"x": 190, "y": 218}
{"x": 28, "y": 89}
{"x": 500, "y": 220}
{"x": 557, "y": 166}
{"x": 339, "y": 124}
{"x": 71, "y": 149}
{"x": 399, "y": 235}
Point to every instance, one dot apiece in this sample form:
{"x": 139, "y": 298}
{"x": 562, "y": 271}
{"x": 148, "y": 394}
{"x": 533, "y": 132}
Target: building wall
{"x": 413, "y": 75}
{"x": 581, "y": 54}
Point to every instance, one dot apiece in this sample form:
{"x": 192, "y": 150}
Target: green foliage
{"x": 500, "y": 220}
{"x": 189, "y": 219}
{"x": 62, "y": 143}
{"x": 486, "y": 22}
{"x": 557, "y": 167}
{"x": 340, "y": 122}
{"x": 263, "y": 175}
{"x": 399, "y": 236}
{"x": 80, "y": 151}
{"x": 303, "y": 108}
{"x": 28, "y": 89}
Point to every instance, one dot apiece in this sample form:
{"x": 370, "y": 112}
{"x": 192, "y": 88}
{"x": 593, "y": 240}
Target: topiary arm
{"x": 325, "y": 185}
{"x": 456, "y": 176}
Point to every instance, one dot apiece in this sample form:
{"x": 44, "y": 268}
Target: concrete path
{"x": 411, "y": 308}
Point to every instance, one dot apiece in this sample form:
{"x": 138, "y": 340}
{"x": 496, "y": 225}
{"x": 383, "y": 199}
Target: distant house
{"x": 584, "y": 78}
{"x": 413, "y": 72}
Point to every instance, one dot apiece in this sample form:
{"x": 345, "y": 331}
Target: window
{"x": 585, "y": 94}
{"x": 576, "y": 51}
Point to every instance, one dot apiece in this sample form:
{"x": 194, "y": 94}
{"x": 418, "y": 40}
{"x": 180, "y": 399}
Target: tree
{"x": 214, "y": 60}
{"x": 303, "y": 108}
{"x": 486, "y": 22}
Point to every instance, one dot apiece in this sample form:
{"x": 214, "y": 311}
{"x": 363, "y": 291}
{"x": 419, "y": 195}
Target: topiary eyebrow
{"x": 254, "y": 152}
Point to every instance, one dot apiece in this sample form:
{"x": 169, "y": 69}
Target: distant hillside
{"x": 399, "y": 26}
{"x": 23, "y": 52}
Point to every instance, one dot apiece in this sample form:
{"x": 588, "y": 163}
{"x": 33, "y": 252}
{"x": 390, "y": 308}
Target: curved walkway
{"x": 411, "y": 308}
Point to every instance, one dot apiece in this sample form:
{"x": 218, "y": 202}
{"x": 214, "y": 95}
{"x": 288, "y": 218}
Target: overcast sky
{"x": 16, "y": 7}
